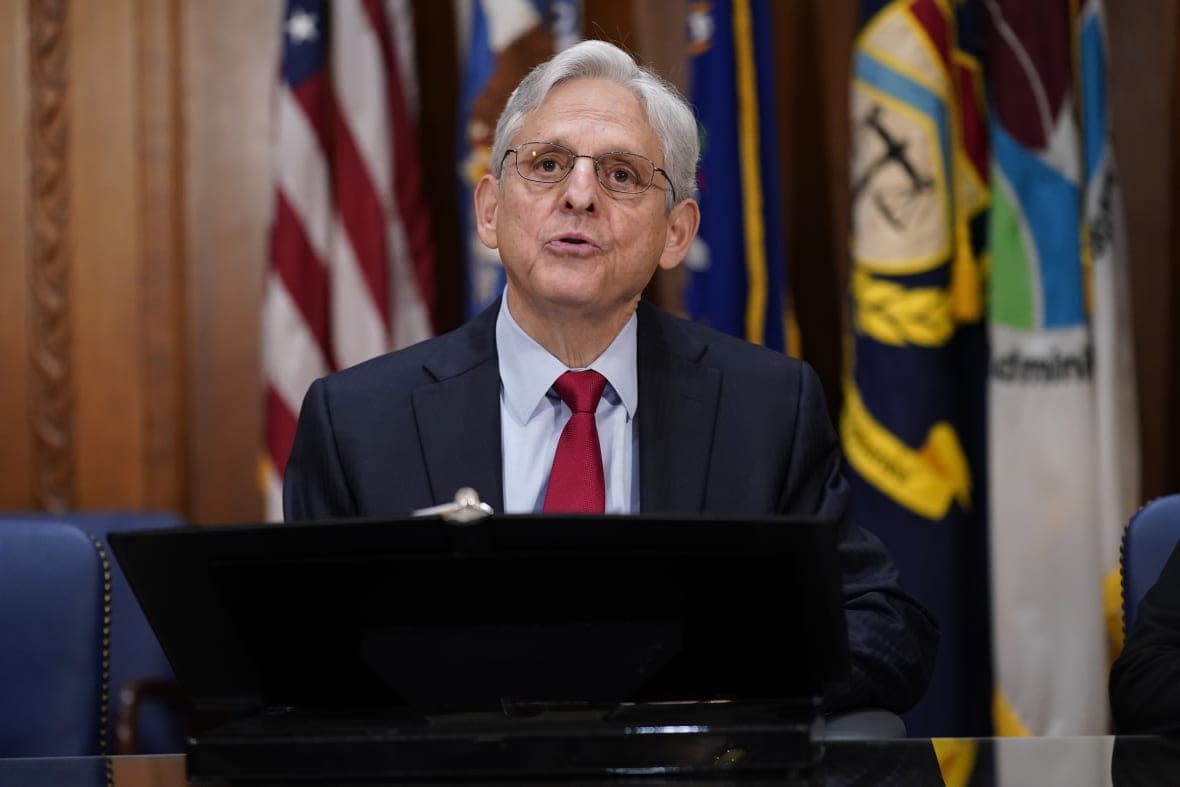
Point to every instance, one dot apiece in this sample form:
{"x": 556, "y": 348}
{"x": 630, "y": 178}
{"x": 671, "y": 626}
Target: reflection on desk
{"x": 1047, "y": 762}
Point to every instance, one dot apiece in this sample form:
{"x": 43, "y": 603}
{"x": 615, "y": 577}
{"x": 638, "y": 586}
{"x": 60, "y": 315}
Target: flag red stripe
{"x": 302, "y": 273}
{"x": 280, "y": 430}
{"x": 358, "y": 204}
{"x": 362, "y": 215}
{"x": 314, "y": 97}
{"x": 407, "y": 170}
{"x": 936, "y": 25}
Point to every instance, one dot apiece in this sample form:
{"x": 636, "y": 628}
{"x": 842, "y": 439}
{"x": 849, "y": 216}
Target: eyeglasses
{"x": 548, "y": 162}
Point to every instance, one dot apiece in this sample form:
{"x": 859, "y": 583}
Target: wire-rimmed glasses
{"x": 626, "y": 173}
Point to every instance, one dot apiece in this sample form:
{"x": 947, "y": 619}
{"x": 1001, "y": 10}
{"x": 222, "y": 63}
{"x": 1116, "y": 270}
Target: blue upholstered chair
{"x": 140, "y": 682}
{"x": 1148, "y": 542}
{"x": 54, "y": 595}
{"x": 143, "y": 689}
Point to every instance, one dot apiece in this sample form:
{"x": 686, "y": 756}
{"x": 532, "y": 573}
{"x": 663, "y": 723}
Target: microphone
{"x": 465, "y": 508}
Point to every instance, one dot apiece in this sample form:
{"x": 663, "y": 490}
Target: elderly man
{"x": 571, "y": 394}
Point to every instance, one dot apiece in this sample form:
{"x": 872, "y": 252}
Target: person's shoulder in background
{"x": 1145, "y": 679}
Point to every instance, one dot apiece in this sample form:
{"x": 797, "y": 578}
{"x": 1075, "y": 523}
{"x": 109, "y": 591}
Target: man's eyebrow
{"x": 598, "y": 150}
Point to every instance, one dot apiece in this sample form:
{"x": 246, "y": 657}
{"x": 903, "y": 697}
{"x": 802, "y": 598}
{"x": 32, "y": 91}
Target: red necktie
{"x": 576, "y": 482}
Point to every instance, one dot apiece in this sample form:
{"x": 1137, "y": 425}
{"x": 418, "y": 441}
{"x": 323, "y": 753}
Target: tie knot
{"x": 580, "y": 390}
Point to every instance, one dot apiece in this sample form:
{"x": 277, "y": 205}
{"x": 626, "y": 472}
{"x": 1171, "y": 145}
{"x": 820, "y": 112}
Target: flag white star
{"x": 700, "y": 27}
{"x": 301, "y": 27}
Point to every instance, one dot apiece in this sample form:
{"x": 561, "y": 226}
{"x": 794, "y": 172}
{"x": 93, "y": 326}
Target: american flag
{"x": 350, "y": 274}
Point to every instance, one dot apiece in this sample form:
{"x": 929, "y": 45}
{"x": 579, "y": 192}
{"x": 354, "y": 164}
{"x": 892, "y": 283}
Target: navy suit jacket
{"x": 725, "y": 427}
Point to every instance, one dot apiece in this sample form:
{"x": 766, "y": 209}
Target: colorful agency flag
{"x": 1062, "y": 440}
{"x": 1104, "y": 256}
{"x": 912, "y": 425}
{"x": 350, "y": 274}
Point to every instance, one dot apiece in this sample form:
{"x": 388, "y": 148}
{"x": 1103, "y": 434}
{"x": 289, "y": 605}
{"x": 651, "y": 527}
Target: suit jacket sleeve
{"x": 314, "y": 483}
{"x": 1145, "y": 679}
{"x": 892, "y": 638}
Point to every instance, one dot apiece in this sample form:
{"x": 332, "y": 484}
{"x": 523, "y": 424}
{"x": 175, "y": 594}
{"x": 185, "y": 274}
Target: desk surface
{"x": 1049, "y": 762}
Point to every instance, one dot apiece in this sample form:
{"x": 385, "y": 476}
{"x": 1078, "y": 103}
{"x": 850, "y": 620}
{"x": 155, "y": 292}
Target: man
{"x": 1145, "y": 678}
{"x": 594, "y": 168}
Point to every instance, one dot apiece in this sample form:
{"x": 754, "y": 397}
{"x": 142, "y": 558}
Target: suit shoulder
{"x": 729, "y": 353}
{"x": 428, "y": 361}
{"x": 399, "y": 365}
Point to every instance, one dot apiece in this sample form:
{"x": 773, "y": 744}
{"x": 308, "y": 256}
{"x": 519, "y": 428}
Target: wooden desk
{"x": 151, "y": 771}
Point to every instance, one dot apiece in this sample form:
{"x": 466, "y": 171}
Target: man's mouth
{"x": 572, "y": 242}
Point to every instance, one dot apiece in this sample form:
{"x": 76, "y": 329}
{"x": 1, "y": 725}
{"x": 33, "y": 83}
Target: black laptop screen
{"x": 437, "y": 617}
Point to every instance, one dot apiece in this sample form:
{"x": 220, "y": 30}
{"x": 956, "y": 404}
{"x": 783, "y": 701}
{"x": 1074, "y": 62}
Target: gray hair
{"x": 668, "y": 113}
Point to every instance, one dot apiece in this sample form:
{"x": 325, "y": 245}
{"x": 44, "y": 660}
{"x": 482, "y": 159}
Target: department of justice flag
{"x": 737, "y": 264}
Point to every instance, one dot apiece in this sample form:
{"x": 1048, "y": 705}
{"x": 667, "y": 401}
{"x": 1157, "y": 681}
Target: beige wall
{"x": 135, "y": 198}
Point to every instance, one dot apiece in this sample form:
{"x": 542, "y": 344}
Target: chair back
{"x": 1148, "y": 541}
{"x": 136, "y": 656}
{"x": 55, "y": 582}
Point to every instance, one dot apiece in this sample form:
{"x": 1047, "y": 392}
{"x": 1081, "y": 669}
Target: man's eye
{"x": 547, "y": 165}
{"x": 622, "y": 175}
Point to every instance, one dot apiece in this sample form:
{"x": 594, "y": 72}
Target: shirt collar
{"x": 527, "y": 370}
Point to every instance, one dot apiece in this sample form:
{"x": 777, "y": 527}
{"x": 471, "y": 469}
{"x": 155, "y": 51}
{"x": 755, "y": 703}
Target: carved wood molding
{"x": 51, "y": 403}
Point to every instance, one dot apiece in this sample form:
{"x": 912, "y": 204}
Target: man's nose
{"x": 581, "y": 185}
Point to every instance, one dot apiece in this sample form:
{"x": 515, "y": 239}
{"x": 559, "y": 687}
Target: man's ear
{"x": 683, "y": 222}
{"x": 487, "y": 203}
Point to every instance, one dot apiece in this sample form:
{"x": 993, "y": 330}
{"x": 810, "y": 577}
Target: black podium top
{"x": 422, "y": 622}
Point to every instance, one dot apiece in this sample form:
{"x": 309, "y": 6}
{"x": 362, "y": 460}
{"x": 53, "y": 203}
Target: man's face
{"x": 575, "y": 247}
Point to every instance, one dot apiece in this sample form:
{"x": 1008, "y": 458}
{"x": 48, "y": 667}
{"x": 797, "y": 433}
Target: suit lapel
{"x": 678, "y": 397}
{"x": 458, "y": 415}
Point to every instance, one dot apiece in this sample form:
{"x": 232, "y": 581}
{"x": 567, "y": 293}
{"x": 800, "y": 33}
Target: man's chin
{"x": 569, "y": 287}
{"x": 568, "y": 302}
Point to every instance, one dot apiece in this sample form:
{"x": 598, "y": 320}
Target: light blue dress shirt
{"x": 532, "y": 416}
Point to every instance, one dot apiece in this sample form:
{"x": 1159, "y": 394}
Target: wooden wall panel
{"x": 836, "y": 27}
{"x": 812, "y": 70}
{"x": 105, "y": 234}
{"x": 659, "y": 38}
{"x": 83, "y": 421}
{"x": 16, "y": 483}
{"x": 1170, "y": 482}
{"x": 160, "y": 274}
{"x": 438, "y": 76}
{"x": 229, "y": 66}
{"x": 1143, "y": 41}
{"x": 611, "y": 20}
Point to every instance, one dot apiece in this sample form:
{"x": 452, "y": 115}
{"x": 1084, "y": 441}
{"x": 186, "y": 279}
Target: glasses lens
{"x": 543, "y": 162}
{"x": 626, "y": 172}
{"x": 546, "y": 162}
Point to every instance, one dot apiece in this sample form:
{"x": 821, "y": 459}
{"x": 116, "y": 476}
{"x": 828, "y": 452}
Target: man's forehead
{"x": 597, "y": 111}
